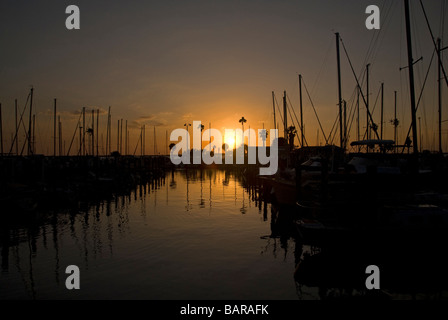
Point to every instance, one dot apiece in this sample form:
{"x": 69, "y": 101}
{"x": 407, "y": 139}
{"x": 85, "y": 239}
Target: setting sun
{"x": 229, "y": 139}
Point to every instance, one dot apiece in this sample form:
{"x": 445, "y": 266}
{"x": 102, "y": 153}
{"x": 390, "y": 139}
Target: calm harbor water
{"x": 192, "y": 235}
{"x": 199, "y": 235}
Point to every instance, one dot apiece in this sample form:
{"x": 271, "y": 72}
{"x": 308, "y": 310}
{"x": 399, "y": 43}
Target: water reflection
{"x": 199, "y": 234}
{"x": 133, "y": 245}
{"x": 409, "y": 269}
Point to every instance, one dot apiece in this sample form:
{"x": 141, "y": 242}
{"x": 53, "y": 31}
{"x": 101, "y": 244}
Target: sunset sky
{"x": 165, "y": 63}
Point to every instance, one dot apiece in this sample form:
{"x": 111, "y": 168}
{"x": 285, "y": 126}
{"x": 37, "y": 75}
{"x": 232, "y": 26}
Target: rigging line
{"x": 74, "y": 134}
{"x": 351, "y": 109}
{"x": 433, "y": 41}
{"x": 373, "y": 110}
{"x": 140, "y": 138}
{"x": 291, "y": 108}
{"x": 404, "y": 85}
{"x": 351, "y": 118}
{"x": 360, "y": 90}
{"x": 38, "y": 134}
{"x": 351, "y": 122}
{"x": 376, "y": 100}
{"x": 425, "y": 117}
{"x": 332, "y": 136}
{"x": 22, "y": 124}
{"x": 20, "y": 121}
{"x": 23, "y": 146}
{"x": 370, "y": 48}
{"x": 378, "y": 35}
{"x": 278, "y": 109}
{"x": 371, "y": 44}
{"x": 442, "y": 19}
{"x": 327, "y": 55}
{"x": 312, "y": 104}
{"x": 298, "y": 123}
{"x": 351, "y": 113}
{"x": 421, "y": 93}
{"x": 384, "y": 28}
{"x": 27, "y": 135}
{"x": 419, "y": 69}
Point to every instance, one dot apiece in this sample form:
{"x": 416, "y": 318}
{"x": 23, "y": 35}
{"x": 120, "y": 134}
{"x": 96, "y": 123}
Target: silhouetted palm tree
{"x": 201, "y": 126}
{"x": 291, "y": 132}
{"x": 264, "y": 135}
{"x": 242, "y": 121}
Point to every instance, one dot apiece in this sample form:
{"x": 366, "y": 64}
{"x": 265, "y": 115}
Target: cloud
{"x": 187, "y": 116}
{"x": 145, "y": 118}
{"x": 74, "y": 114}
{"x": 158, "y": 120}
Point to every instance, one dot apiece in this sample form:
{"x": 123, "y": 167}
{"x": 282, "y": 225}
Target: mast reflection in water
{"x": 195, "y": 234}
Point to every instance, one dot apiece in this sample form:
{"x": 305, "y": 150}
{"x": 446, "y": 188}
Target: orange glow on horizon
{"x": 230, "y": 140}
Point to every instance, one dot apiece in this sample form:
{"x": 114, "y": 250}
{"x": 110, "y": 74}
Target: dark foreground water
{"x": 192, "y": 235}
{"x": 199, "y": 235}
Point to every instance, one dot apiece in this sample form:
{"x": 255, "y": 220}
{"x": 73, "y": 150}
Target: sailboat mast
{"x": 107, "y": 132}
{"x": 97, "y": 129}
{"x": 118, "y": 135}
{"x": 83, "y": 131}
{"x": 301, "y": 109}
{"x": 34, "y": 134}
{"x": 30, "y": 149}
{"x": 285, "y": 116}
{"x": 367, "y": 102}
{"x": 126, "y": 138}
{"x": 357, "y": 107}
{"x": 273, "y": 106}
{"x": 17, "y": 129}
{"x": 109, "y": 125}
{"x": 1, "y": 130}
{"x": 339, "y": 90}
{"x": 345, "y": 125}
{"x": 60, "y": 135}
{"x": 144, "y": 140}
{"x": 395, "y": 119}
{"x": 440, "y": 93}
{"x": 80, "y": 138}
{"x": 54, "y": 129}
{"x": 382, "y": 109}
{"x": 121, "y": 136}
{"x": 93, "y": 132}
{"x": 141, "y": 140}
{"x": 411, "y": 77}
